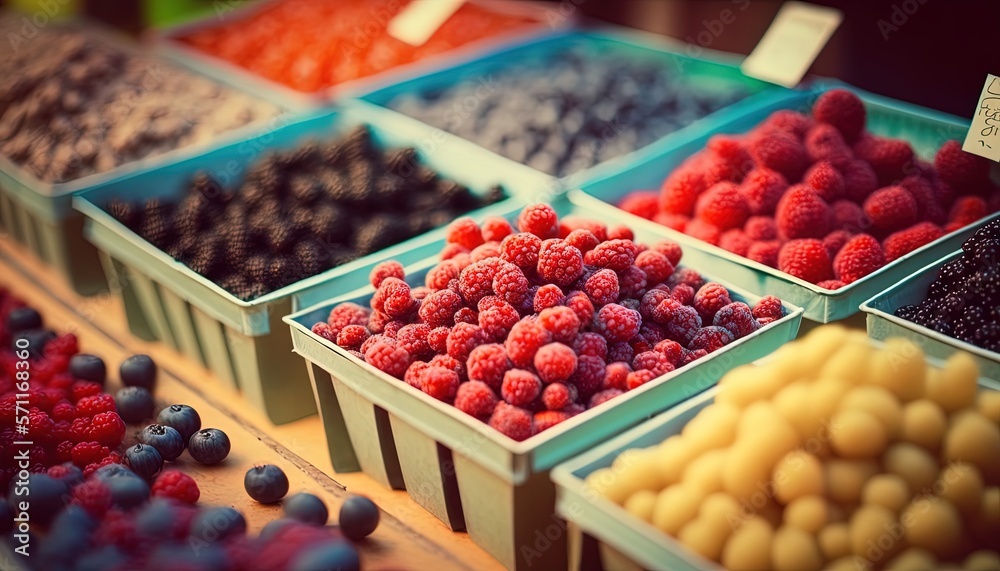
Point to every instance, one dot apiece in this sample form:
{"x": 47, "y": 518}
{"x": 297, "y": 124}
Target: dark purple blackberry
{"x": 390, "y": 189}
{"x": 266, "y": 175}
{"x": 987, "y": 336}
{"x": 123, "y": 212}
{"x": 989, "y": 231}
{"x": 252, "y": 194}
{"x": 951, "y": 306}
{"x": 942, "y": 326}
{"x": 282, "y": 236}
{"x": 239, "y": 243}
{"x": 938, "y": 289}
{"x": 305, "y": 157}
{"x": 305, "y": 190}
{"x": 310, "y": 257}
{"x": 493, "y": 195}
{"x": 379, "y": 231}
{"x": 338, "y": 255}
{"x": 363, "y": 176}
{"x": 157, "y": 226}
{"x": 987, "y": 253}
{"x": 953, "y": 271}
{"x": 279, "y": 273}
{"x": 425, "y": 176}
{"x": 907, "y": 312}
{"x": 205, "y": 185}
{"x": 450, "y": 193}
{"x": 209, "y": 258}
{"x": 331, "y": 223}
{"x": 358, "y": 145}
{"x": 402, "y": 162}
{"x": 194, "y": 214}
{"x": 333, "y": 154}
{"x": 986, "y": 283}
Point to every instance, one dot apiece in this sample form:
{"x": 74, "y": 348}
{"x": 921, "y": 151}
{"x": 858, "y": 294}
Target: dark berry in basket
{"x": 266, "y": 484}
{"x": 300, "y": 212}
{"x": 182, "y": 418}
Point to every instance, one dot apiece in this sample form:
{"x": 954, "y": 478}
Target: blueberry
{"x": 127, "y": 493}
{"x": 306, "y": 508}
{"x": 266, "y": 484}
{"x": 48, "y": 496}
{"x": 217, "y": 523}
{"x": 144, "y": 460}
{"x": 68, "y": 536}
{"x": 101, "y": 558}
{"x": 135, "y": 404}
{"x": 358, "y": 517}
{"x": 209, "y": 446}
{"x": 182, "y": 418}
{"x": 88, "y": 368}
{"x": 272, "y": 527}
{"x": 73, "y": 517}
{"x": 22, "y": 319}
{"x": 167, "y": 441}
{"x": 339, "y": 555}
{"x": 105, "y": 473}
{"x": 156, "y": 519}
{"x": 138, "y": 371}
{"x": 36, "y": 340}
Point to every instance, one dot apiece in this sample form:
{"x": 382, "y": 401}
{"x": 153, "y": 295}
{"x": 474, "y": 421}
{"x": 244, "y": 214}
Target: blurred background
{"x": 930, "y": 52}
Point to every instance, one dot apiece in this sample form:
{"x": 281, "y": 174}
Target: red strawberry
{"x": 805, "y": 259}
{"x": 963, "y": 171}
{"x": 906, "y": 241}
{"x": 722, "y": 206}
{"x": 891, "y": 208}
{"x": 801, "y": 213}
{"x": 860, "y": 256}
{"x": 842, "y": 109}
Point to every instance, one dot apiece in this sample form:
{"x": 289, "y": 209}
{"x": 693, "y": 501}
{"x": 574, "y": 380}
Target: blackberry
{"x": 938, "y": 289}
{"x": 123, "y": 212}
{"x": 193, "y": 215}
{"x": 390, "y": 189}
{"x": 953, "y": 271}
{"x": 266, "y": 175}
{"x": 358, "y": 145}
{"x": 310, "y": 257}
{"x": 238, "y": 242}
{"x": 987, "y": 253}
{"x": 987, "y": 336}
{"x": 280, "y": 273}
{"x": 157, "y": 224}
{"x": 451, "y": 193}
{"x": 206, "y": 186}
{"x": 363, "y": 176}
{"x": 253, "y": 194}
{"x": 906, "y": 312}
{"x": 986, "y": 283}
{"x": 941, "y": 326}
{"x": 333, "y": 154}
{"x": 209, "y": 258}
{"x": 281, "y": 236}
{"x": 305, "y": 190}
{"x": 494, "y": 194}
{"x": 951, "y": 306}
{"x": 402, "y": 162}
{"x": 378, "y": 232}
{"x": 256, "y": 269}
{"x": 425, "y": 176}
{"x": 303, "y": 158}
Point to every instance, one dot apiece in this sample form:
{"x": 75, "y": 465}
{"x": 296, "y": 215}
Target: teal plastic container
{"x": 926, "y": 130}
{"x": 244, "y": 342}
{"x": 715, "y": 70}
{"x": 467, "y": 474}
{"x": 882, "y": 323}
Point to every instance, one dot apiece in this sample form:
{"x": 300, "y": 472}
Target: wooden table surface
{"x": 408, "y": 536}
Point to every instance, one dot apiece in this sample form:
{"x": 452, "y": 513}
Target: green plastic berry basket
{"x": 882, "y": 323}
{"x": 39, "y": 215}
{"x": 466, "y": 473}
{"x": 926, "y": 130}
{"x": 244, "y": 342}
{"x": 714, "y": 70}
{"x": 602, "y": 534}
{"x": 166, "y": 42}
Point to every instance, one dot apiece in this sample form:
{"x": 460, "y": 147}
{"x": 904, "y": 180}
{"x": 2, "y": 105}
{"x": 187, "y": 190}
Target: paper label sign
{"x": 984, "y": 132}
{"x": 418, "y": 21}
{"x": 796, "y": 36}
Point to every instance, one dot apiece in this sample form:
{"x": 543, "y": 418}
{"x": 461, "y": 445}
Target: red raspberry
{"x": 510, "y": 283}
{"x": 671, "y": 349}
{"x": 64, "y": 451}
{"x": 412, "y": 375}
{"x": 684, "y": 292}
{"x": 735, "y": 241}
{"x": 540, "y": 220}
{"x": 346, "y": 314}
{"x": 779, "y": 151}
{"x": 515, "y": 422}
{"x": 463, "y": 338}
{"x": 602, "y": 287}
{"x": 497, "y": 321}
{"x": 687, "y": 276}
{"x": 834, "y": 241}
{"x": 107, "y": 428}
{"x": 548, "y": 295}
{"x": 849, "y": 216}
{"x": 453, "y": 251}
{"x": 558, "y": 396}
{"x": 965, "y": 211}
{"x": 94, "y": 497}
{"x": 590, "y": 344}
{"x": 768, "y": 306}
{"x": 642, "y": 203}
{"x": 413, "y": 339}
{"x": 524, "y": 340}
{"x": 116, "y": 529}
{"x": 649, "y": 335}
{"x": 618, "y": 323}
{"x": 449, "y": 362}
{"x": 439, "y": 308}
{"x": 440, "y": 275}
{"x": 521, "y": 250}
{"x": 723, "y": 206}
{"x": 82, "y": 389}
{"x": 889, "y": 158}
{"x": 891, "y": 208}
{"x": 589, "y": 375}
{"x": 620, "y": 352}
{"x": 681, "y": 189}
{"x": 859, "y": 257}
{"x": 790, "y": 121}
{"x": 388, "y": 358}
{"x": 670, "y": 249}
{"x": 714, "y": 169}
{"x": 762, "y": 189}
{"x": 710, "y": 299}
{"x": 760, "y": 228}
{"x": 571, "y": 223}
{"x": 710, "y": 338}
{"x": 375, "y": 339}
{"x": 928, "y": 206}
{"x": 649, "y": 301}
{"x": 963, "y": 171}
{"x": 476, "y": 399}
{"x": 737, "y": 319}
{"x": 704, "y": 231}
{"x": 85, "y": 453}
{"x": 581, "y": 305}
{"x": 465, "y": 232}
{"x": 520, "y": 387}
{"x": 825, "y": 284}
{"x": 636, "y": 379}
{"x": 656, "y": 265}
{"x": 801, "y": 213}
{"x": 653, "y": 361}
{"x": 842, "y": 109}
{"x": 485, "y": 251}
{"x": 555, "y": 363}
{"x": 825, "y": 180}
{"x": 765, "y": 252}
{"x": 40, "y": 426}
{"x": 903, "y": 242}
{"x": 805, "y": 259}
{"x": 860, "y": 180}
{"x": 561, "y": 322}
{"x": 352, "y": 336}
{"x": 488, "y": 363}
{"x": 582, "y": 239}
{"x": 825, "y": 143}
{"x": 439, "y": 382}
{"x": 392, "y": 327}
{"x": 615, "y": 375}
{"x": 437, "y": 338}
{"x": 387, "y": 269}
{"x": 176, "y": 485}
{"x": 559, "y": 263}
{"x": 632, "y": 285}
{"x": 496, "y": 229}
{"x": 690, "y": 356}
{"x": 65, "y": 345}
{"x": 731, "y": 151}
{"x": 604, "y": 396}
{"x": 616, "y": 255}
{"x": 476, "y": 280}
{"x": 548, "y": 418}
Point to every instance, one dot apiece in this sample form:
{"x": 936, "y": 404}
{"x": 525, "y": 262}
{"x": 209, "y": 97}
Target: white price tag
{"x": 983, "y": 138}
{"x": 796, "y": 36}
{"x": 416, "y": 23}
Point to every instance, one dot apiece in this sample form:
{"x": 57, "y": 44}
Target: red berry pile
{"x": 524, "y": 329}
{"x": 819, "y": 197}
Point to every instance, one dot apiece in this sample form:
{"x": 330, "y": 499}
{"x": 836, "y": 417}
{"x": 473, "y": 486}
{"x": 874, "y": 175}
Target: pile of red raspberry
{"x": 524, "y": 329}
{"x": 819, "y": 197}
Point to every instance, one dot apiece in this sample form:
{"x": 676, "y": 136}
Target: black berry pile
{"x": 298, "y": 213}
{"x": 964, "y": 301}
{"x": 72, "y": 105}
{"x": 571, "y": 110}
